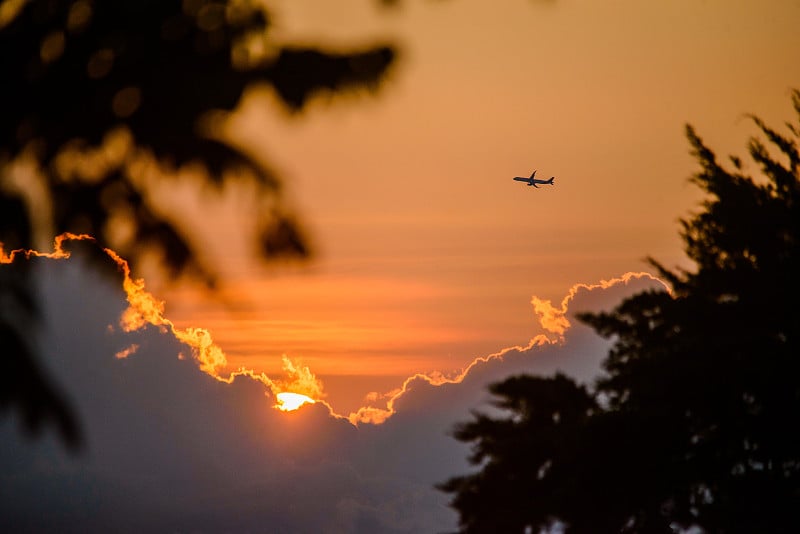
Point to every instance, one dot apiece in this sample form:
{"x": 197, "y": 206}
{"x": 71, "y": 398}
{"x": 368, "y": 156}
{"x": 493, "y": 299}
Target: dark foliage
{"x": 98, "y": 95}
{"x": 694, "y": 421}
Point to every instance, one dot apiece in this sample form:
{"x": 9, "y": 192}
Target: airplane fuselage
{"x": 533, "y": 181}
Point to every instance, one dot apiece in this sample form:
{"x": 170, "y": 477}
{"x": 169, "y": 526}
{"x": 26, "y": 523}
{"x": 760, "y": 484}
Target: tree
{"x": 694, "y": 419}
{"x": 96, "y": 95}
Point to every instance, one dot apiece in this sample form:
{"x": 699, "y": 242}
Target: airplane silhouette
{"x": 533, "y": 181}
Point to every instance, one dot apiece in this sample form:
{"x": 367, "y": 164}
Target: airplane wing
{"x": 533, "y": 174}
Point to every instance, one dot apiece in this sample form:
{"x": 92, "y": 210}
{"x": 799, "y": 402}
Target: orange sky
{"x": 427, "y": 254}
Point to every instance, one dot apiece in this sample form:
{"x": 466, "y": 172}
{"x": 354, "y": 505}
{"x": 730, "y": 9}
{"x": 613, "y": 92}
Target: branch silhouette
{"x": 98, "y": 94}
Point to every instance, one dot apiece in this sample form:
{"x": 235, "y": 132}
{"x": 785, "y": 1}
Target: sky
{"x": 426, "y": 252}
{"x": 430, "y": 263}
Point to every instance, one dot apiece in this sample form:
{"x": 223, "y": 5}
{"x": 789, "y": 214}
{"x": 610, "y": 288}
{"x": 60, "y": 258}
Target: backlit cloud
{"x": 553, "y": 320}
{"x": 174, "y": 446}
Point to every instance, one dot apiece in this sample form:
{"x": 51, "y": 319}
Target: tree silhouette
{"x": 99, "y": 96}
{"x": 694, "y": 421}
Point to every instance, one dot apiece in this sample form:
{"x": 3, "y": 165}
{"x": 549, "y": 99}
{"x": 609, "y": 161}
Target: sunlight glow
{"x": 289, "y": 402}
{"x": 145, "y": 309}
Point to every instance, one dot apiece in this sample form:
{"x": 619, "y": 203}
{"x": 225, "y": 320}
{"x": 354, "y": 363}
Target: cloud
{"x": 173, "y": 447}
{"x": 553, "y": 320}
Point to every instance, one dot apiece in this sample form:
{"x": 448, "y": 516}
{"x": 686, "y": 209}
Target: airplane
{"x": 533, "y": 181}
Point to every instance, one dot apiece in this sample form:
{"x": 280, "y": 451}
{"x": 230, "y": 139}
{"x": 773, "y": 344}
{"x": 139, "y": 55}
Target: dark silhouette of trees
{"x": 694, "y": 421}
{"x": 96, "y": 95}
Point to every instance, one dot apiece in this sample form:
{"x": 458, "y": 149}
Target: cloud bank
{"x": 173, "y": 447}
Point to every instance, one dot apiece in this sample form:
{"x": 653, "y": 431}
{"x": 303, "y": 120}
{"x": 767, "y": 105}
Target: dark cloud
{"x": 170, "y": 448}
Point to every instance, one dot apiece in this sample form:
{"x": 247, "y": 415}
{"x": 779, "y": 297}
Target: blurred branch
{"x": 91, "y": 89}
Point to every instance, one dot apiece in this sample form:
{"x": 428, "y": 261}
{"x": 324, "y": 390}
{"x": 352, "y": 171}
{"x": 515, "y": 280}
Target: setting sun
{"x": 288, "y": 401}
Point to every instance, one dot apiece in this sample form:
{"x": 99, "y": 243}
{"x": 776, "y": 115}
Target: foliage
{"x": 99, "y": 96}
{"x": 694, "y": 420}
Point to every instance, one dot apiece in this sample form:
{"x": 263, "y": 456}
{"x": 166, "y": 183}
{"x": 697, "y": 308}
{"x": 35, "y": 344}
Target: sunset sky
{"x": 427, "y": 253}
{"x": 427, "y": 258}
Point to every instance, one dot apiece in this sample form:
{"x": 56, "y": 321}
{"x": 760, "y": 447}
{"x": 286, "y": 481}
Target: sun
{"x": 288, "y": 401}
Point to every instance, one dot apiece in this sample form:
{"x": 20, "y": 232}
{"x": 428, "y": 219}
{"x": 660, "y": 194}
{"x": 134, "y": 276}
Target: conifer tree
{"x": 694, "y": 420}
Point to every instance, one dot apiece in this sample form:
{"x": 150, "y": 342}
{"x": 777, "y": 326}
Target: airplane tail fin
{"x": 550, "y": 181}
